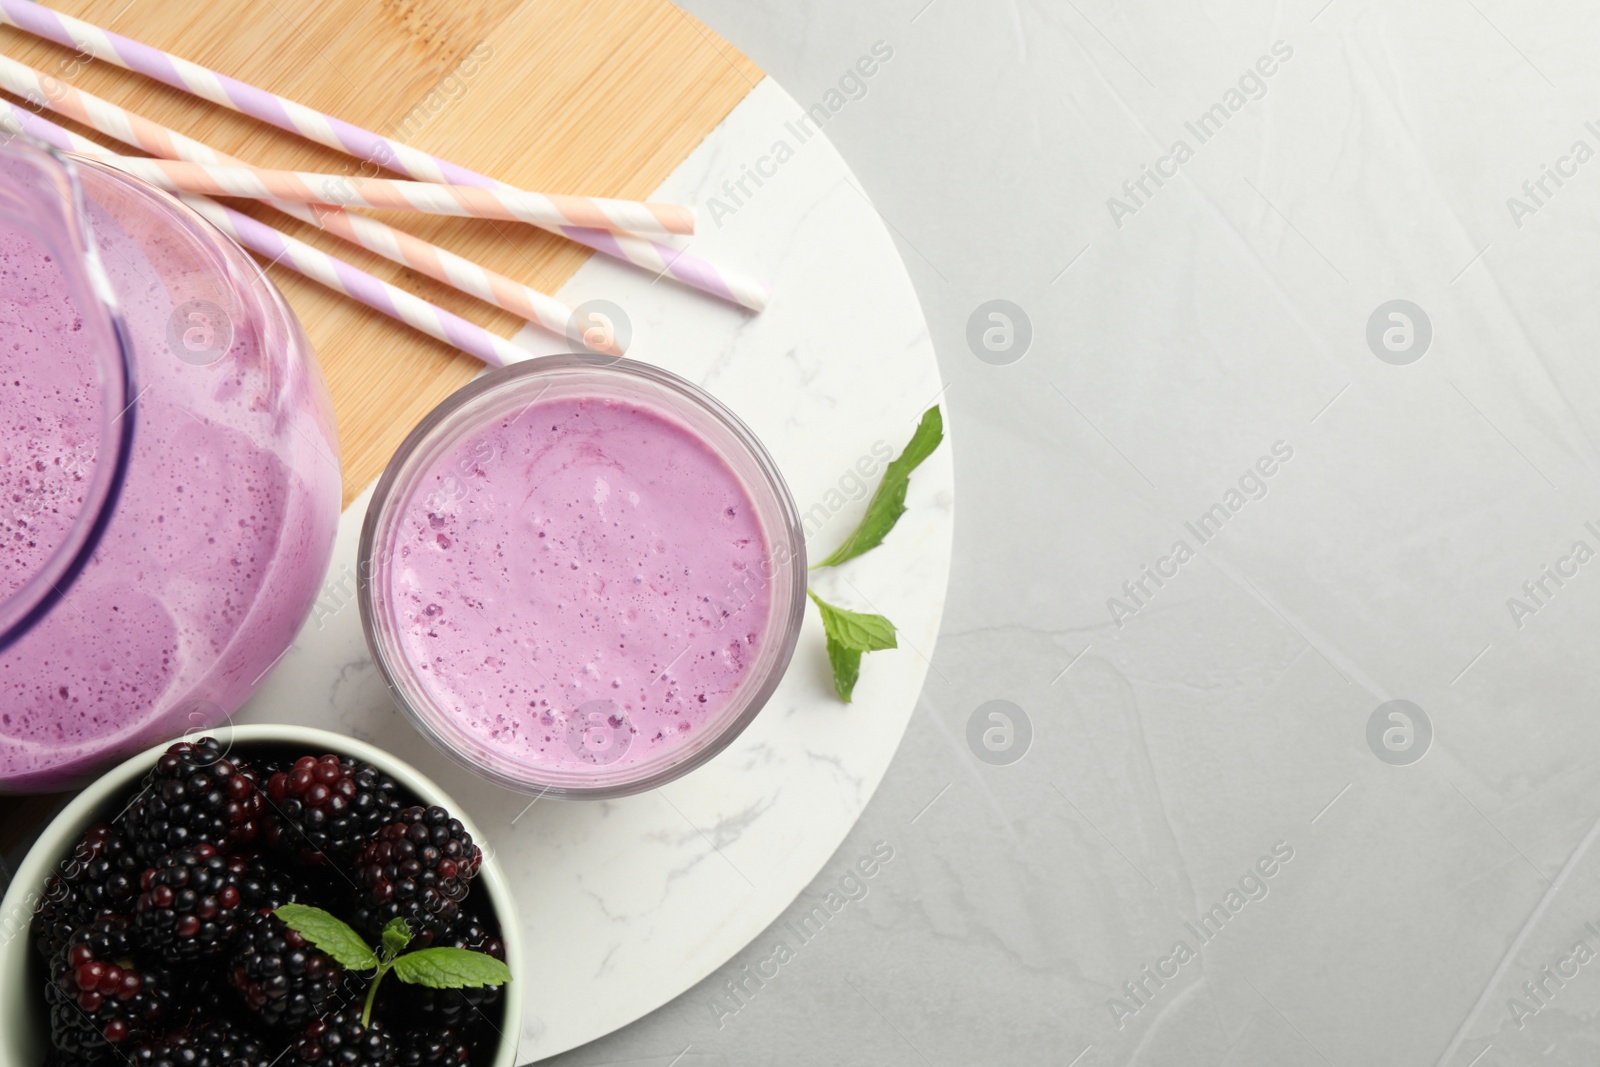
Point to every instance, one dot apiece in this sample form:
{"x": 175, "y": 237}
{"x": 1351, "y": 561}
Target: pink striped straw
{"x": 395, "y": 245}
{"x": 462, "y": 201}
{"x": 363, "y": 144}
{"x": 334, "y": 273}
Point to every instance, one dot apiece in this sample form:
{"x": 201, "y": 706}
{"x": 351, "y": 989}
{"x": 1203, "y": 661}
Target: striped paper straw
{"x": 462, "y": 201}
{"x": 336, "y": 274}
{"x": 396, "y": 245}
{"x": 357, "y": 284}
{"x": 362, "y": 143}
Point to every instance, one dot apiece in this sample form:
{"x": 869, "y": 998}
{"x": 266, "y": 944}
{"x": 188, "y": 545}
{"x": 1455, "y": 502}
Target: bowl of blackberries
{"x": 264, "y": 896}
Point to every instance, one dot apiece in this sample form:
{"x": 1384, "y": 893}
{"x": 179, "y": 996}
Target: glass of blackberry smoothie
{"x": 169, "y": 482}
{"x": 582, "y": 577}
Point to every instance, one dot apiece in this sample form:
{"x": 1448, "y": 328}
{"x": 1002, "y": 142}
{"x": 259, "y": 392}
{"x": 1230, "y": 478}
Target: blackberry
{"x": 194, "y": 795}
{"x": 418, "y": 868}
{"x": 189, "y": 905}
{"x": 324, "y": 809}
{"x": 205, "y": 996}
{"x": 265, "y": 884}
{"x": 442, "y": 1047}
{"x": 339, "y": 1040}
{"x": 282, "y": 978}
{"x": 100, "y": 878}
{"x": 51, "y": 930}
{"x": 461, "y": 1010}
{"x": 218, "y": 1042}
{"x": 99, "y": 998}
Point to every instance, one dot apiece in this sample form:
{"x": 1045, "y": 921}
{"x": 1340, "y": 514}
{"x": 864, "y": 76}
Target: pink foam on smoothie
{"x": 584, "y": 550}
{"x": 216, "y": 546}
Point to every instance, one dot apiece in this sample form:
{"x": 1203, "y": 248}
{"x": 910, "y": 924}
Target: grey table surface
{"x": 1276, "y": 507}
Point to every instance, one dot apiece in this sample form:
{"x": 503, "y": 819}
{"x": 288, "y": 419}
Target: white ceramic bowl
{"x": 24, "y": 1026}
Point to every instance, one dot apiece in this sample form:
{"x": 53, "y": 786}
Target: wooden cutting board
{"x": 602, "y": 97}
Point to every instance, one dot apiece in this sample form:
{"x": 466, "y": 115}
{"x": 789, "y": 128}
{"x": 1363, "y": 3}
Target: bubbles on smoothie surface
{"x": 50, "y": 408}
{"x": 608, "y": 548}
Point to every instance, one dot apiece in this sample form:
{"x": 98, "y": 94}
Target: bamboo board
{"x": 604, "y": 97}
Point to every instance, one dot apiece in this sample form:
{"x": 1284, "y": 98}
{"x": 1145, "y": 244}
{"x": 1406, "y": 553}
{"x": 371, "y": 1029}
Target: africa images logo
{"x": 1252, "y": 485}
{"x": 1251, "y": 86}
{"x": 795, "y": 932}
{"x": 853, "y": 85}
{"x": 1145, "y": 988}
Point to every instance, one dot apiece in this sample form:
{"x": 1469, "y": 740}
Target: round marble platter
{"x": 626, "y": 904}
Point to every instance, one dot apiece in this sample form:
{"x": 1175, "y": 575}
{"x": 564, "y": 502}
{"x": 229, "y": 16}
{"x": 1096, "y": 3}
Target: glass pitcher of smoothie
{"x": 169, "y": 479}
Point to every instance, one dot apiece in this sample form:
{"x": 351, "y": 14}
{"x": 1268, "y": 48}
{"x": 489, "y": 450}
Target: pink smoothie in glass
{"x": 223, "y": 528}
{"x": 580, "y": 583}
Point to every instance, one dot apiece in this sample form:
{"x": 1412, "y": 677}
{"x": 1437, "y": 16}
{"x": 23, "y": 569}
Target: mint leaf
{"x": 850, "y": 633}
{"x": 450, "y": 968}
{"x": 396, "y": 936}
{"x": 846, "y": 663}
{"x": 330, "y": 934}
{"x": 852, "y": 629}
{"x": 889, "y": 502}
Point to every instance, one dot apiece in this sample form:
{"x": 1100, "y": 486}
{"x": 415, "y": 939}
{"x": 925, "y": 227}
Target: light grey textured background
{"x": 1431, "y": 913}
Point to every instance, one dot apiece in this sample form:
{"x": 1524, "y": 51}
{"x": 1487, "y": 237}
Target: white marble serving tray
{"x": 626, "y": 904}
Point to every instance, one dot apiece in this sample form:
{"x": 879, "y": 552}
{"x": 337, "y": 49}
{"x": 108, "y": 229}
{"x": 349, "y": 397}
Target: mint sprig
{"x": 852, "y": 629}
{"x": 396, "y": 936}
{"x": 889, "y": 502}
{"x": 450, "y": 968}
{"x": 848, "y": 635}
{"x": 846, "y": 664}
{"x": 851, "y": 634}
{"x": 436, "y": 968}
{"x": 329, "y": 934}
